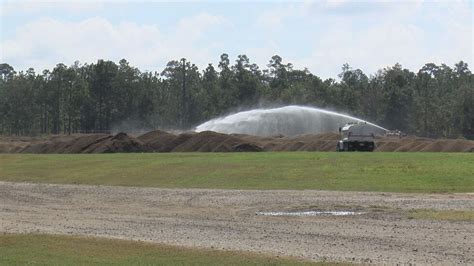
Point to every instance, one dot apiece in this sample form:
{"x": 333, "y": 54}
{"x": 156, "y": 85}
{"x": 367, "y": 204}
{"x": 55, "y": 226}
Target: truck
{"x": 358, "y": 136}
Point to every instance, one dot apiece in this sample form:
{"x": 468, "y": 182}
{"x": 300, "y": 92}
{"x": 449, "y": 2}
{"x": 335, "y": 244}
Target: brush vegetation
{"x": 389, "y": 172}
{"x": 33, "y": 249}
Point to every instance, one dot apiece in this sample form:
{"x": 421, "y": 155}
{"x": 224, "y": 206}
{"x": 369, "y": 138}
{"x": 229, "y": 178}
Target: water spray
{"x": 288, "y": 120}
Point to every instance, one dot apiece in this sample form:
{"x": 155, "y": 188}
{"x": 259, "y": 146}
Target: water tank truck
{"x": 357, "y": 136}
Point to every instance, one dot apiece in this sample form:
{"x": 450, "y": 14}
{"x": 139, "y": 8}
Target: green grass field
{"x": 390, "y": 172}
{"x": 32, "y": 249}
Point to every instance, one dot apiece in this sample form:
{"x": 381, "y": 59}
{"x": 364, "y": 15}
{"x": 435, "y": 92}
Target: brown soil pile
{"x": 161, "y": 141}
{"x": 118, "y": 143}
{"x": 16, "y": 144}
{"x": 93, "y": 143}
{"x": 414, "y": 144}
{"x": 309, "y": 142}
{"x": 209, "y": 141}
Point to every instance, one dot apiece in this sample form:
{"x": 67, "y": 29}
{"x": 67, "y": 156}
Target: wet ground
{"x": 374, "y": 227}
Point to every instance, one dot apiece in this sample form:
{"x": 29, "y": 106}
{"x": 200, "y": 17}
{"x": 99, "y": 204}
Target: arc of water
{"x": 288, "y": 120}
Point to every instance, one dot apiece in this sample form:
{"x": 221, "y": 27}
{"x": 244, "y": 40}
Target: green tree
{"x": 226, "y": 78}
{"x": 212, "y": 94}
{"x": 398, "y": 88}
{"x": 246, "y": 81}
{"x": 101, "y": 85}
{"x": 278, "y": 76}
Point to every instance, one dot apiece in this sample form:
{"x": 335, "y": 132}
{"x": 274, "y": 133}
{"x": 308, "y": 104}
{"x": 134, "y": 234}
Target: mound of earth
{"x": 118, "y": 143}
{"x": 414, "y": 144}
{"x": 208, "y": 141}
{"x": 158, "y": 140}
{"x": 64, "y": 144}
{"x": 92, "y": 143}
{"x": 16, "y": 144}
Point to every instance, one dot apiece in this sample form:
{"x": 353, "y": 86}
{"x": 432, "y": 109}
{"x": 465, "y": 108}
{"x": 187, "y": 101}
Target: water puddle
{"x": 309, "y": 213}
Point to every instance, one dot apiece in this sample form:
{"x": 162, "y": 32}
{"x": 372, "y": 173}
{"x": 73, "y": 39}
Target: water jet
{"x": 288, "y": 120}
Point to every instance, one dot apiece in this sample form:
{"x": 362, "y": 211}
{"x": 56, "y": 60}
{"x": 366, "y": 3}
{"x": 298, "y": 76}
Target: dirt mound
{"x": 93, "y": 143}
{"x": 208, "y": 141}
{"x": 154, "y": 136}
{"x": 173, "y": 143}
{"x": 64, "y": 144}
{"x": 450, "y": 146}
{"x": 415, "y": 144}
{"x": 161, "y": 141}
{"x": 118, "y": 143}
{"x": 308, "y": 142}
{"x": 16, "y": 144}
{"x": 247, "y": 147}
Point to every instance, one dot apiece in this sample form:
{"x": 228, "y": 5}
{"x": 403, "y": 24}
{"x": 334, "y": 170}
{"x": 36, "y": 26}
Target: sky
{"x": 318, "y": 35}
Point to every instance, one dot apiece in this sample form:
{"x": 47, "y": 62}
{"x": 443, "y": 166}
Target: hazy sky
{"x": 320, "y": 35}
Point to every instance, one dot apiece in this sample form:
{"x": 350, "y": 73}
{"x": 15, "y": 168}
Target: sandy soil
{"x": 226, "y": 219}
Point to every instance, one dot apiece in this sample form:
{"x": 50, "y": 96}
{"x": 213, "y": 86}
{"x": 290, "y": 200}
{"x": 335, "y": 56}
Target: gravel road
{"x": 227, "y": 219}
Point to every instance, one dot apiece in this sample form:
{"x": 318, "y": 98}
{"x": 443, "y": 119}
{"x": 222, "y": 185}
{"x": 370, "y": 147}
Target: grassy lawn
{"x": 390, "y": 172}
{"x": 33, "y": 249}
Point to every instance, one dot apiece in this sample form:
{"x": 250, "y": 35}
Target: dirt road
{"x": 227, "y": 219}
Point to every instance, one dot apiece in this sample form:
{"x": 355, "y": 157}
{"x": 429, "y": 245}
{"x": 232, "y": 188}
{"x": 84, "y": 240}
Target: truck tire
{"x": 346, "y": 146}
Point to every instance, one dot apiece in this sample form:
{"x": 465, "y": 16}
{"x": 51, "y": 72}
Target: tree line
{"x": 436, "y": 101}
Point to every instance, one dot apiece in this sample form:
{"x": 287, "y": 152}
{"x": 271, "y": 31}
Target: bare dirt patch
{"x": 227, "y": 219}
